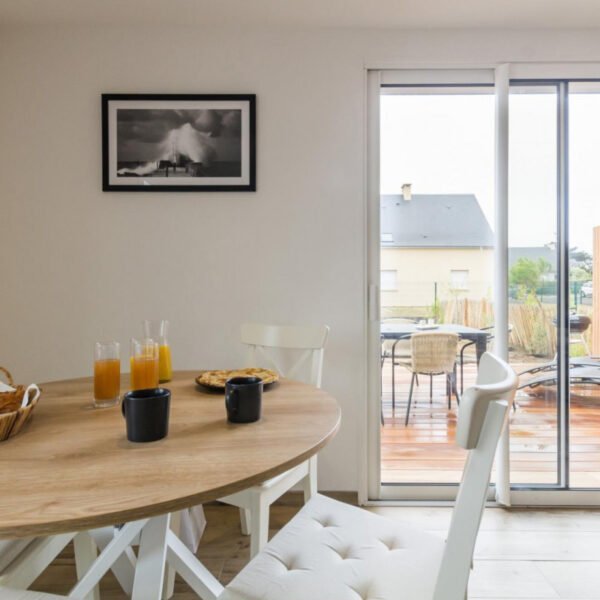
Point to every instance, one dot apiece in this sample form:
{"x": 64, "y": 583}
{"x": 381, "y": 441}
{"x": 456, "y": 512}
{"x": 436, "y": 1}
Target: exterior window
{"x": 389, "y": 281}
{"x": 387, "y": 237}
{"x": 459, "y": 280}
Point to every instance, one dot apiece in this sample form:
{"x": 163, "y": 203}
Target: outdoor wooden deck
{"x": 424, "y": 452}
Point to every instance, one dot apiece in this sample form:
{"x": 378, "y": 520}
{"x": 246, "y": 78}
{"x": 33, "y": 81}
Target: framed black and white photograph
{"x": 178, "y": 142}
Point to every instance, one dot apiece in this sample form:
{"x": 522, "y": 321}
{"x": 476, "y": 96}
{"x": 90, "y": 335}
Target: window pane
{"x": 437, "y": 210}
{"x": 389, "y": 280}
{"x": 532, "y": 281}
{"x": 459, "y": 280}
{"x": 584, "y": 271}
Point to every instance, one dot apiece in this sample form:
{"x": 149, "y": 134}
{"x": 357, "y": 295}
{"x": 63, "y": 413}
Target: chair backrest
{"x": 483, "y": 413}
{"x": 433, "y": 352}
{"x": 293, "y": 351}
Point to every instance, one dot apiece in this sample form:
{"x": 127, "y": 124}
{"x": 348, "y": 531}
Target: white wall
{"x": 79, "y": 265}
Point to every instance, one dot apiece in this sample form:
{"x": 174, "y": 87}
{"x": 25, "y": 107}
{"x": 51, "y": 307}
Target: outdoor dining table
{"x": 404, "y": 331}
{"x": 72, "y": 469}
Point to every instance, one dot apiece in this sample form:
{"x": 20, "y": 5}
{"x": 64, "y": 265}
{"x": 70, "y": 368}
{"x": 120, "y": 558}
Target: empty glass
{"x": 107, "y": 374}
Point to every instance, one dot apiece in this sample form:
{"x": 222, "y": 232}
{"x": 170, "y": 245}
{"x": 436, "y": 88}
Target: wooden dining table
{"x": 72, "y": 469}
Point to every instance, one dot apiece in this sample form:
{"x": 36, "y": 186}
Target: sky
{"x": 444, "y": 144}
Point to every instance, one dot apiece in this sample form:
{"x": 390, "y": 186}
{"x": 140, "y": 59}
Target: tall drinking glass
{"x": 159, "y": 330}
{"x": 144, "y": 364}
{"x": 107, "y": 374}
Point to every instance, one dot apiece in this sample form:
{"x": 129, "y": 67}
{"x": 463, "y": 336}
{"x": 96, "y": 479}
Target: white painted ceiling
{"x": 404, "y": 14}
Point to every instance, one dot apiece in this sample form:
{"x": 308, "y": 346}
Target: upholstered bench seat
{"x": 334, "y": 551}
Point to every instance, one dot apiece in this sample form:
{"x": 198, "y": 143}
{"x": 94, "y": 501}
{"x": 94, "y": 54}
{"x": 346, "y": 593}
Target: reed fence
{"x": 533, "y": 331}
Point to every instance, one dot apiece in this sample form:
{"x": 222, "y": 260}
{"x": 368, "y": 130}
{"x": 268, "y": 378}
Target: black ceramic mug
{"x": 146, "y": 414}
{"x": 243, "y": 399}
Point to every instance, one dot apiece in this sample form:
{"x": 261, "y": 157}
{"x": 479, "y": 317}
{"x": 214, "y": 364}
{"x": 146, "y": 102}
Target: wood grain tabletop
{"x": 72, "y": 467}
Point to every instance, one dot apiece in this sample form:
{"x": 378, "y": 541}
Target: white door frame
{"x": 370, "y": 488}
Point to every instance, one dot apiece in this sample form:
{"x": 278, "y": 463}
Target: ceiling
{"x": 404, "y": 14}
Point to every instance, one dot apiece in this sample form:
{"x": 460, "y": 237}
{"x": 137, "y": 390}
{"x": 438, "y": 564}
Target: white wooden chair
{"x": 22, "y": 561}
{"x": 334, "y": 550}
{"x": 296, "y": 353}
{"x": 11, "y": 594}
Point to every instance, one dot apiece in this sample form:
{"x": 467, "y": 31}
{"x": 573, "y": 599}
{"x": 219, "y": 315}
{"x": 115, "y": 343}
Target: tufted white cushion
{"x": 334, "y": 551}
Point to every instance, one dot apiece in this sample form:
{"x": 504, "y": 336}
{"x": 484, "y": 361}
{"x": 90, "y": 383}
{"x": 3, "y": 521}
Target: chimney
{"x": 407, "y": 191}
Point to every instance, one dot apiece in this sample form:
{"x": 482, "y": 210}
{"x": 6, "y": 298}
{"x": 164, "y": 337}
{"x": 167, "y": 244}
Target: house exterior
{"x": 434, "y": 245}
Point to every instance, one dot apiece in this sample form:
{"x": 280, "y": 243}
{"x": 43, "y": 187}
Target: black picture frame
{"x": 241, "y": 175}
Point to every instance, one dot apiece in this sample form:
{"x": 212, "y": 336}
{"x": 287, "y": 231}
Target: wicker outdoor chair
{"x": 434, "y": 354}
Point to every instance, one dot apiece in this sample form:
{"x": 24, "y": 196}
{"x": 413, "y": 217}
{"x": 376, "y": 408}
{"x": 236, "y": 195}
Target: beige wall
{"x": 419, "y": 268}
{"x": 77, "y": 265}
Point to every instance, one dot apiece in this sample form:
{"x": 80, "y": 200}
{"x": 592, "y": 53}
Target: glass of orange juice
{"x": 159, "y": 330}
{"x": 144, "y": 364}
{"x": 107, "y": 374}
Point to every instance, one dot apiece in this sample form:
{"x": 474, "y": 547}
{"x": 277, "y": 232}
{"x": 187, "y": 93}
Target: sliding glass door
{"x": 554, "y": 226}
{"x": 436, "y": 253}
{"x": 533, "y": 280}
{"x": 436, "y": 244}
{"x": 584, "y": 280}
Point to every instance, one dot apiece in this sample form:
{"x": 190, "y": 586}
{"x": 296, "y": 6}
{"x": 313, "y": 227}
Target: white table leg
{"x": 86, "y": 553}
{"x": 150, "y": 567}
{"x": 169, "y": 584}
{"x": 192, "y": 571}
{"x": 107, "y": 557}
{"x": 124, "y": 566}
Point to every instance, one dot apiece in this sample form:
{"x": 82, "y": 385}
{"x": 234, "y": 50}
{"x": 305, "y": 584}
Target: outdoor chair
{"x": 433, "y": 354}
{"x": 581, "y": 371}
{"x": 574, "y": 363}
{"x": 297, "y": 353}
{"x": 394, "y": 350}
{"x": 334, "y": 550}
{"x": 399, "y": 353}
{"x": 581, "y": 375}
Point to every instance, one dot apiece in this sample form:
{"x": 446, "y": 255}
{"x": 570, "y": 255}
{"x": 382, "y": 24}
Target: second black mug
{"x": 243, "y": 399}
{"x": 146, "y": 414}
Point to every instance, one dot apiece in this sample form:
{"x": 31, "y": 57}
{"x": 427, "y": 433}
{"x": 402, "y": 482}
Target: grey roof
{"x": 434, "y": 221}
{"x": 532, "y": 253}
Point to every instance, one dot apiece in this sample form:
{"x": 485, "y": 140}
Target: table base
{"x": 142, "y": 578}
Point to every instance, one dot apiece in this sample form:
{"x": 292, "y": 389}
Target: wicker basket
{"x": 16, "y": 406}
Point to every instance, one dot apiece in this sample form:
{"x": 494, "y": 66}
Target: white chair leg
{"x": 86, "y": 552}
{"x": 245, "y": 520}
{"x": 169, "y": 582}
{"x": 309, "y": 483}
{"x": 259, "y": 524}
{"x": 34, "y": 560}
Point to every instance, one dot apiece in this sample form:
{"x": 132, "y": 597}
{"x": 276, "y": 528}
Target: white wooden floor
{"x": 526, "y": 554}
